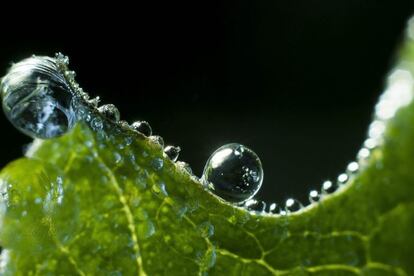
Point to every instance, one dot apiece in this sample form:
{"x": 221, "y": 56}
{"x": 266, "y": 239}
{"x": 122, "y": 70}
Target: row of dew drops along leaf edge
{"x": 42, "y": 99}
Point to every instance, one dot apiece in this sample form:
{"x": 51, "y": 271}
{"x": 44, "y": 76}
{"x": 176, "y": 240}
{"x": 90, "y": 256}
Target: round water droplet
{"x": 160, "y": 190}
{"x": 97, "y": 124}
{"x": 352, "y": 167}
{"x": 37, "y": 98}
{"x": 292, "y": 205}
{"x": 342, "y": 178}
{"x": 117, "y": 158}
{"x": 249, "y": 203}
{"x": 124, "y": 124}
{"x": 258, "y": 206}
{"x": 206, "y": 229}
{"x": 282, "y": 212}
{"x": 371, "y": 143}
{"x": 314, "y": 196}
{"x": 328, "y": 187}
{"x": 172, "y": 152}
{"x": 157, "y": 163}
{"x": 143, "y": 127}
{"x": 234, "y": 173}
{"x": 363, "y": 154}
{"x": 110, "y": 111}
{"x": 272, "y": 208}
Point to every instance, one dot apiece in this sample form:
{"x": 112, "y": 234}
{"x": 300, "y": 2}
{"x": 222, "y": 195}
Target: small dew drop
{"x": 249, "y": 203}
{"x": 142, "y": 127}
{"x": 172, "y": 152}
{"x": 83, "y": 114}
{"x": 95, "y": 101}
{"x": 123, "y": 124}
{"x": 328, "y": 187}
{"x": 210, "y": 259}
{"x": 62, "y": 59}
{"x": 184, "y": 166}
{"x": 272, "y": 208}
{"x": 159, "y": 189}
{"x": 206, "y": 229}
{"x": 38, "y": 200}
{"x": 70, "y": 75}
{"x": 376, "y": 129}
{"x": 117, "y": 158}
{"x": 233, "y": 172}
{"x": 352, "y": 167}
{"x": 146, "y": 229}
{"x": 254, "y": 205}
{"x": 343, "y": 178}
{"x": 157, "y": 163}
{"x": 282, "y": 212}
{"x": 110, "y": 112}
{"x": 292, "y": 205}
{"x": 128, "y": 140}
{"x": 370, "y": 143}
{"x": 363, "y": 153}
{"x": 314, "y": 196}
{"x": 157, "y": 139}
{"x": 89, "y": 143}
{"x": 97, "y": 124}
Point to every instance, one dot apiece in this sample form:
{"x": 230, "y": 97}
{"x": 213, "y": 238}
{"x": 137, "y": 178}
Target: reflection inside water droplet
{"x": 234, "y": 172}
{"x": 37, "y": 99}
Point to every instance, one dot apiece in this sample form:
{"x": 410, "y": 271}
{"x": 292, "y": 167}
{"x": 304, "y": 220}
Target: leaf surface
{"x": 109, "y": 203}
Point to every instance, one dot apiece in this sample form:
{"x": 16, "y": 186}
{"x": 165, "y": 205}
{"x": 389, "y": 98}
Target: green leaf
{"x": 109, "y": 203}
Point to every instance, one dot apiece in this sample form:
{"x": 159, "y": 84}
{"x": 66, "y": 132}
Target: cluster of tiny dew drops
{"x": 42, "y": 99}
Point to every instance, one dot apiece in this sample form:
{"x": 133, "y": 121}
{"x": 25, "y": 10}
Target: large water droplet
{"x": 37, "y": 98}
{"x": 234, "y": 173}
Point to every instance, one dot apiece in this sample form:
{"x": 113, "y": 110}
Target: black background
{"x": 294, "y": 81}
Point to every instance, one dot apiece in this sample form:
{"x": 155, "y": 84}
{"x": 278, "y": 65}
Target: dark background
{"x": 296, "y": 82}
